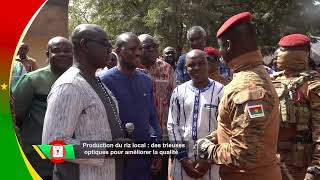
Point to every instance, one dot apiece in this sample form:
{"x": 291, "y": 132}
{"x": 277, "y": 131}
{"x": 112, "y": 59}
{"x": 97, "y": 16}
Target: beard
{"x": 129, "y": 65}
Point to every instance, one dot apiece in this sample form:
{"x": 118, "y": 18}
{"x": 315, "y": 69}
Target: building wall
{"x": 51, "y": 21}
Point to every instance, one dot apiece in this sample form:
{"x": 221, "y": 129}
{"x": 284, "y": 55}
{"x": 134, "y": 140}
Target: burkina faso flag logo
{"x": 56, "y": 151}
{"x": 256, "y": 111}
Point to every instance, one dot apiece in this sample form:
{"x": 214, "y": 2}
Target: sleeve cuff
{"x": 182, "y": 154}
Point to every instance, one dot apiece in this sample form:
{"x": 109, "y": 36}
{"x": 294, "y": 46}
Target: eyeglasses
{"x": 212, "y": 59}
{"x": 150, "y": 46}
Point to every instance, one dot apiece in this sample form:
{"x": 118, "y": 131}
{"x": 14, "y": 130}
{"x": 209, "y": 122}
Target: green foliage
{"x": 168, "y": 20}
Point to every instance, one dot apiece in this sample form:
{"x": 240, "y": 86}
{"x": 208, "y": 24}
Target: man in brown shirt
{"x": 28, "y": 62}
{"x": 245, "y": 142}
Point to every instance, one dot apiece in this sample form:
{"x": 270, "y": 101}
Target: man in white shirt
{"x": 192, "y": 115}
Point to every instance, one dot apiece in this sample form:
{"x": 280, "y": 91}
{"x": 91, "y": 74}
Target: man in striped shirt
{"x": 192, "y": 115}
{"x": 81, "y": 108}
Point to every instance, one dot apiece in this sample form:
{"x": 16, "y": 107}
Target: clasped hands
{"x": 197, "y": 169}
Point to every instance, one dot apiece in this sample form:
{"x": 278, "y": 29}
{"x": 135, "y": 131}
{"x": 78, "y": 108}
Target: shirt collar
{"x": 244, "y": 61}
{"x": 194, "y": 89}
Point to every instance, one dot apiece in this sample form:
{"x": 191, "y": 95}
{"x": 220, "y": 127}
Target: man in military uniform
{"x": 299, "y": 93}
{"x": 215, "y": 67}
{"x": 245, "y": 142}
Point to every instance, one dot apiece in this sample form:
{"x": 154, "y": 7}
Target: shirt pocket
{"x": 209, "y": 113}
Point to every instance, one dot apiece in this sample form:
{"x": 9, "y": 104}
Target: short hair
{"x": 84, "y": 31}
{"x": 196, "y": 29}
{"x": 169, "y": 48}
{"x": 196, "y": 53}
{"x": 122, "y": 39}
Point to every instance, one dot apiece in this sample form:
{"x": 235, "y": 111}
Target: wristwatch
{"x": 313, "y": 170}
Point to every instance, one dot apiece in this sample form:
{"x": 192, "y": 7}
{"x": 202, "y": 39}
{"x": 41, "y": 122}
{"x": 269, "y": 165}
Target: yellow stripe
{"x": 33, "y": 173}
{"x": 39, "y": 152}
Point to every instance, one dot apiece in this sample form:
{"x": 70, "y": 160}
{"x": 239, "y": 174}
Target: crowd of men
{"x": 238, "y": 118}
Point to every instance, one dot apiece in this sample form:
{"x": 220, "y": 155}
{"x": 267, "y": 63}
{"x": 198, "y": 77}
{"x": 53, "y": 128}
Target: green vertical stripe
{"x": 69, "y": 151}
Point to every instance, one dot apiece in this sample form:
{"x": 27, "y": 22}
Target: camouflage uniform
{"x": 215, "y": 74}
{"x": 247, "y": 139}
{"x": 299, "y": 135}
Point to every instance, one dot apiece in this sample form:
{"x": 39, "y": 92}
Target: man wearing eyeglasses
{"x": 163, "y": 80}
{"x": 215, "y": 67}
{"x": 81, "y": 108}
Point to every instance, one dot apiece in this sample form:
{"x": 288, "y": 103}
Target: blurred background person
{"x": 29, "y": 63}
{"x": 169, "y": 55}
{"x": 18, "y": 71}
{"x": 218, "y": 71}
{"x": 197, "y": 37}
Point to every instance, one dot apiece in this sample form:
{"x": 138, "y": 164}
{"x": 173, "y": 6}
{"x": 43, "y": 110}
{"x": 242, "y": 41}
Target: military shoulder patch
{"x": 255, "y": 111}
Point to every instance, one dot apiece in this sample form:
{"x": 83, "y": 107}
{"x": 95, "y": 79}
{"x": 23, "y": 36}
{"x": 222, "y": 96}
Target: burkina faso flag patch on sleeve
{"x": 256, "y": 111}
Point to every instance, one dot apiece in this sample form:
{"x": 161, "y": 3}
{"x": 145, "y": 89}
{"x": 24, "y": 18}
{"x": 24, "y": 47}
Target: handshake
{"x": 198, "y": 168}
{"x": 200, "y": 149}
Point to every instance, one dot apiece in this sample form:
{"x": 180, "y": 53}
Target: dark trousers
{"x": 163, "y": 173}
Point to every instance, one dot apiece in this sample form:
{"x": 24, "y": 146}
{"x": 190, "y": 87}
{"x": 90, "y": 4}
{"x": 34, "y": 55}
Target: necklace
{"x": 111, "y": 103}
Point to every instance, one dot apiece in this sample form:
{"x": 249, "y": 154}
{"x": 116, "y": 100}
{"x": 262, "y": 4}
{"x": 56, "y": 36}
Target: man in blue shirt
{"x": 133, "y": 91}
{"x": 196, "y": 36}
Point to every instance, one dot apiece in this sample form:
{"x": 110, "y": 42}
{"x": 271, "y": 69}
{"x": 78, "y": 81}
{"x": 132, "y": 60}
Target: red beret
{"x": 294, "y": 40}
{"x": 244, "y": 17}
{"x": 210, "y": 51}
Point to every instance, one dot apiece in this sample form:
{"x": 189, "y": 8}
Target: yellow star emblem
{"x": 4, "y": 86}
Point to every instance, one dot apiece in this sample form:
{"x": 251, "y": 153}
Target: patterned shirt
{"x": 224, "y": 71}
{"x": 192, "y": 115}
{"x": 76, "y": 113}
{"x": 163, "y": 83}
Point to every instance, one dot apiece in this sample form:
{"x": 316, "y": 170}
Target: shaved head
{"x": 84, "y": 31}
{"x": 145, "y": 37}
{"x": 128, "y": 49}
{"x": 196, "y": 53}
{"x": 124, "y": 38}
{"x": 59, "y": 54}
{"x": 57, "y": 40}
{"x": 197, "y": 68}
{"x": 91, "y": 47}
